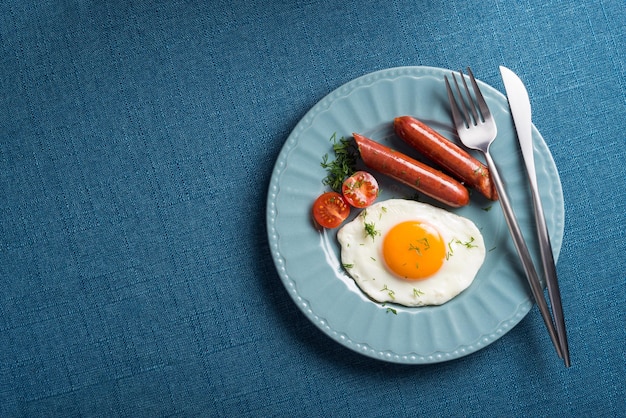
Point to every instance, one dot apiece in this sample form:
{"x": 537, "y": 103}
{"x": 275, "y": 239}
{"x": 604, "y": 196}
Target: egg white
{"x": 362, "y": 253}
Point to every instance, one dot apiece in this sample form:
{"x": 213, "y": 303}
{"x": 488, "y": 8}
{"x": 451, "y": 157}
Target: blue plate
{"x": 308, "y": 261}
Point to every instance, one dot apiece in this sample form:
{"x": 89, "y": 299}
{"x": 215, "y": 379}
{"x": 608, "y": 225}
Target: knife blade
{"x": 519, "y": 104}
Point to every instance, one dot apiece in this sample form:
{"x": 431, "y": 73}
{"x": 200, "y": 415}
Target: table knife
{"x": 521, "y": 112}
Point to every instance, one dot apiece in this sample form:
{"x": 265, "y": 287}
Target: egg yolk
{"x": 414, "y": 250}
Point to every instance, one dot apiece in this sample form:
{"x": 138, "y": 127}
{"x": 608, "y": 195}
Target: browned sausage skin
{"x": 413, "y": 173}
{"x": 455, "y": 160}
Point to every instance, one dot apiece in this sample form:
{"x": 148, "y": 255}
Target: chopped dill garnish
{"x": 343, "y": 165}
{"x": 416, "y": 249}
{"x": 423, "y": 245}
{"x": 348, "y": 266}
{"x": 370, "y": 230}
{"x": 417, "y": 292}
{"x": 488, "y": 208}
{"x": 450, "y": 251}
{"x": 468, "y": 244}
{"x": 393, "y": 311}
{"x": 481, "y": 170}
{"x": 390, "y": 292}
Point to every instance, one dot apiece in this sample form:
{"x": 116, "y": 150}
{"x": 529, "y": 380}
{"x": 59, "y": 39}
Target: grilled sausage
{"x": 411, "y": 172}
{"x": 446, "y": 154}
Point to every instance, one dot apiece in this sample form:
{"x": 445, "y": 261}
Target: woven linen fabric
{"x": 137, "y": 141}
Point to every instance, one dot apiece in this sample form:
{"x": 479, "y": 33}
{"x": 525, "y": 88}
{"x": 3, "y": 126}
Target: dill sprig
{"x": 370, "y": 230}
{"x": 390, "y": 292}
{"x": 343, "y": 165}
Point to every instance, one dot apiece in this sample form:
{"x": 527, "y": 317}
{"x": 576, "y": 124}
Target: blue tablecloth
{"x": 137, "y": 141}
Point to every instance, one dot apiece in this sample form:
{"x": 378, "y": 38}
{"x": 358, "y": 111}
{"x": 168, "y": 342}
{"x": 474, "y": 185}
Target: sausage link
{"x": 413, "y": 173}
{"x": 455, "y": 160}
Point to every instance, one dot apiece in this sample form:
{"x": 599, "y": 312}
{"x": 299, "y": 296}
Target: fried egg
{"x": 411, "y": 253}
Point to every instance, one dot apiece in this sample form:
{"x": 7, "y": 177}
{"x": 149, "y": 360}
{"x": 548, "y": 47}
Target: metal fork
{"x": 477, "y": 129}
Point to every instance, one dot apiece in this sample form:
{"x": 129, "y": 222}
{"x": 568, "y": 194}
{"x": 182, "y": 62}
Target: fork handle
{"x": 524, "y": 254}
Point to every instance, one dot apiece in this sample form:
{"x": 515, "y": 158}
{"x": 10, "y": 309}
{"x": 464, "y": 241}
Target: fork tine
{"x": 472, "y": 105}
{"x": 467, "y": 121}
{"x": 482, "y": 104}
{"x": 456, "y": 115}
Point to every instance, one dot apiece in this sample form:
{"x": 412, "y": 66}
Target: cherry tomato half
{"x": 330, "y": 210}
{"x": 360, "y": 189}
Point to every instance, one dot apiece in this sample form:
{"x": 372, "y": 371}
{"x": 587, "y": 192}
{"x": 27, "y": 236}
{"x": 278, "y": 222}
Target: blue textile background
{"x": 137, "y": 140}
